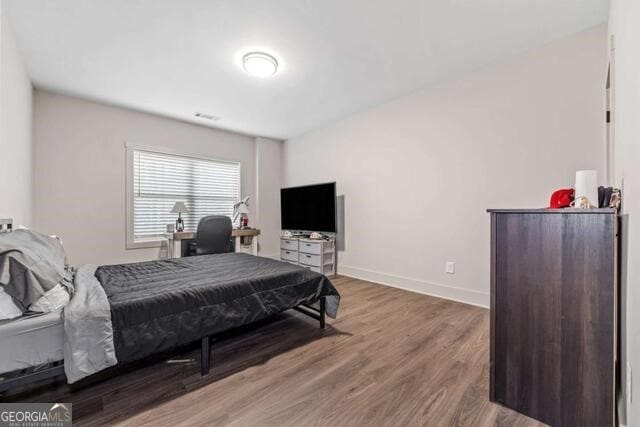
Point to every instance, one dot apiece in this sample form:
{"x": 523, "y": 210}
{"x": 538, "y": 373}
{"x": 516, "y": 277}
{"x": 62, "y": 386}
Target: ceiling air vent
{"x": 205, "y": 116}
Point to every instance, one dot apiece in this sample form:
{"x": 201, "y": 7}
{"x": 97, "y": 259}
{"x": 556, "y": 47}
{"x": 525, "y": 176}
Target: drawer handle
{"x": 308, "y": 256}
{"x": 308, "y": 245}
{"x": 287, "y": 252}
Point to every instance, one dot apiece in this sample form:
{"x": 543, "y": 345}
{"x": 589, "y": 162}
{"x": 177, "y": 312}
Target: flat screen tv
{"x": 309, "y": 208}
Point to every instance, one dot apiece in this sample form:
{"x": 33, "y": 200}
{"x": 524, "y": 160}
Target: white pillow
{"x": 55, "y": 298}
{"x": 8, "y": 308}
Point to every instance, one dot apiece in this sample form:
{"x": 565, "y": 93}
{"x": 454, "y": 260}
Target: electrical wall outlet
{"x": 450, "y": 267}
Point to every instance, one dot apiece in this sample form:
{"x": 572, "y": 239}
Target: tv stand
{"x": 301, "y": 235}
{"x": 318, "y": 255}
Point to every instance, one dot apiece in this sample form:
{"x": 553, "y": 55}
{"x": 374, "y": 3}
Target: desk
{"x": 176, "y": 239}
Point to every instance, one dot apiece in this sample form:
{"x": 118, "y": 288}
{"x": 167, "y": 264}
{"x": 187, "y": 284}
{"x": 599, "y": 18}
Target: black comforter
{"x": 159, "y": 305}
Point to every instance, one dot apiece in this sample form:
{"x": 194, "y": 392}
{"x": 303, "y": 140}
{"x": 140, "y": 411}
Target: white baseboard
{"x": 414, "y": 285}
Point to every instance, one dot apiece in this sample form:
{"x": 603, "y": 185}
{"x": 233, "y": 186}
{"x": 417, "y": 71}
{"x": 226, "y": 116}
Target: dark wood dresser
{"x": 553, "y": 314}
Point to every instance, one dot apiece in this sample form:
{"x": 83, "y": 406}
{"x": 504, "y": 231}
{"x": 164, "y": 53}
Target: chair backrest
{"x": 213, "y": 235}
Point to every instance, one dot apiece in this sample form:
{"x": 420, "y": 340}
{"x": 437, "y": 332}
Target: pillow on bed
{"x": 8, "y": 308}
{"x": 30, "y": 265}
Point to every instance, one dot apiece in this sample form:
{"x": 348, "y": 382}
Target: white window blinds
{"x": 207, "y": 187}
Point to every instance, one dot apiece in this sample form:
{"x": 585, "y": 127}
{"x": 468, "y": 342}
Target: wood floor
{"x": 392, "y": 358}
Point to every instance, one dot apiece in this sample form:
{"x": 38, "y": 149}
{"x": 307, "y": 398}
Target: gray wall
{"x": 16, "y": 96}
{"x": 419, "y": 172}
{"x": 267, "y": 204}
{"x": 79, "y": 177}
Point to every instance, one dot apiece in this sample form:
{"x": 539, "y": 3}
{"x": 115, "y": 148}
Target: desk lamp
{"x": 241, "y": 209}
{"x": 179, "y": 208}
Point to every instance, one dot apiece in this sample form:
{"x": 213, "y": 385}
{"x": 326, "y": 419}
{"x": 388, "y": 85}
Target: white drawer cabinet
{"x": 310, "y": 247}
{"x": 309, "y": 259}
{"x": 315, "y": 255}
{"x": 308, "y": 267}
{"x": 289, "y": 255}
{"x": 289, "y": 244}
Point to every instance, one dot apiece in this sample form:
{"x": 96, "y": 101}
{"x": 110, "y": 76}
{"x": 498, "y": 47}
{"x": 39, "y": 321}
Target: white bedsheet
{"x": 31, "y": 341}
{"x": 8, "y": 308}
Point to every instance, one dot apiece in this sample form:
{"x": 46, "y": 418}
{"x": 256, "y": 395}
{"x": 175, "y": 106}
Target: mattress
{"x": 31, "y": 341}
{"x": 159, "y": 305}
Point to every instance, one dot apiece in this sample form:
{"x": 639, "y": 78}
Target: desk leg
{"x": 254, "y": 246}
{"x": 176, "y": 248}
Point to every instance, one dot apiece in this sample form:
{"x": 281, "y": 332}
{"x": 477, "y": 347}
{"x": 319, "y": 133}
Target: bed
{"x": 31, "y": 341}
{"x": 158, "y": 305}
{"x": 123, "y": 313}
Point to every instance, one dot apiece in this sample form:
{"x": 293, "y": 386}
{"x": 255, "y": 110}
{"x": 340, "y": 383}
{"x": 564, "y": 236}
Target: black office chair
{"x": 213, "y": 236}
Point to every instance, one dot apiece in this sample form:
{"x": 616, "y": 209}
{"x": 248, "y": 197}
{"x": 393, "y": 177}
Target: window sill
{"x": 154, "y": 242}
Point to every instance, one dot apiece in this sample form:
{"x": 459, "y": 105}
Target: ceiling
{"x": 337, "y": 57}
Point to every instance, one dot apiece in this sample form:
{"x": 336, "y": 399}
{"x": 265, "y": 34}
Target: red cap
{"x": 561, "y": 198}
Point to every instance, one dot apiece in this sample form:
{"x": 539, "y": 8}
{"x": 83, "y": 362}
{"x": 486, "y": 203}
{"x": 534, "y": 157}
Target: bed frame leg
{"x": 205, "y": 354}
{"x": 318, "y": 314}
{"x": 322, "y": 310}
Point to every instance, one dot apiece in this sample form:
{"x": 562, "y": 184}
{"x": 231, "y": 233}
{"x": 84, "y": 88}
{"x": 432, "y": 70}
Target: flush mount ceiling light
{"x": 260, "y": 64}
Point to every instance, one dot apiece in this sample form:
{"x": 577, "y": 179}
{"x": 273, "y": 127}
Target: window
{"x": 158, "y": 180}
